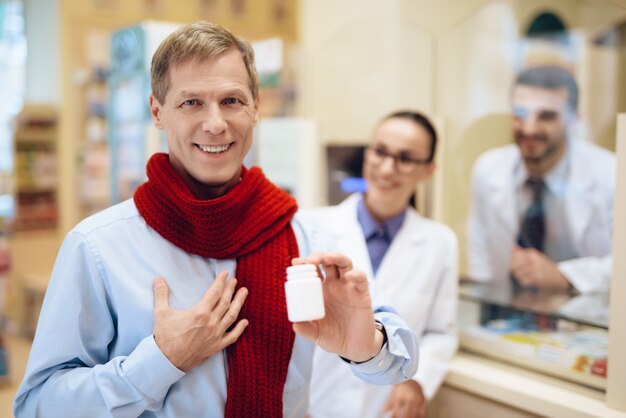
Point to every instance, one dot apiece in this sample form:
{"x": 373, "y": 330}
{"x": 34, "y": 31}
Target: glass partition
{"x": 502, "y": 129}
{"x": 479, "y": 58}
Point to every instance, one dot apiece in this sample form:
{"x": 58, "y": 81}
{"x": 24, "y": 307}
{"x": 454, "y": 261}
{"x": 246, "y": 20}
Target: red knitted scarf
{"x": 251, "y": 223}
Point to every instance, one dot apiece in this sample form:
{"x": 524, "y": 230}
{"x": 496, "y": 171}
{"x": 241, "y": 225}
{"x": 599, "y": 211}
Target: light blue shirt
{"x": 378, "y": 235}
{"x": 94, "y": 354}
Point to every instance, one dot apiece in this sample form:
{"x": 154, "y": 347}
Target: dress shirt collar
{"x": 371, "y": 226}
{"x": 554, "y": 180}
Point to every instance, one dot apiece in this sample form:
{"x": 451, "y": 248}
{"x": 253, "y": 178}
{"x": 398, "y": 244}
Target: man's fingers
{"x": 230, "y": 316}
{"x": 161, "y": 294}
{"x": 527, "y": 271}
{"x": 234, "y": 334}
{"x": 422, "y": 410}
{"x": 519, "y": 258}
{"x": 225, "y": 300}
{"x": 359, "y": 279}
{"x": 214, "y": 292}
{"x": 308, "y": 330}
{"x": 342, "y": 262}
{"x": 517, "y": 269}
{"x": 301, "y": 260}
{"x": 526, "y": 279}
{"x": 335, "y": 265}
{"x": 330, "y": 261}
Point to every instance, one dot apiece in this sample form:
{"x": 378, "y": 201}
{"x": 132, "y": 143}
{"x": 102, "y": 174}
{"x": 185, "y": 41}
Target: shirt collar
{"x": 371, "y": 226}
{"x": 554, "y": 179}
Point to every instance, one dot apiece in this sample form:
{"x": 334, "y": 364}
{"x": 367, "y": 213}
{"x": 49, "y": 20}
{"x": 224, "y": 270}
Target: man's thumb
{"x": 161, "y": 293}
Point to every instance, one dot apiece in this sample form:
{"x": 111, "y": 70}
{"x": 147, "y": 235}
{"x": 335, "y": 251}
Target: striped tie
{"x": 533, "y": 229}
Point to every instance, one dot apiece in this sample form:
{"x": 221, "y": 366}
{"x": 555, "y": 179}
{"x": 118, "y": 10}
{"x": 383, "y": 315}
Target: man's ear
{"x": 155, "y": 111}
{"x": 572, "y": 120}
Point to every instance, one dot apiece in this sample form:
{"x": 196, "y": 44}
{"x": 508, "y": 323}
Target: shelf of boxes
{"x": 36, "y": 169}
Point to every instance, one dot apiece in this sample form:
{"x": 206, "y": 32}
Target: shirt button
{"x": 380, "y": 363}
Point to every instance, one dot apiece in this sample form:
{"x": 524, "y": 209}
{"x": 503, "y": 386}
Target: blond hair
{"x": 197, "y": 41}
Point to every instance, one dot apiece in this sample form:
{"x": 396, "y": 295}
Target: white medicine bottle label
{"x": 303, "y": 289}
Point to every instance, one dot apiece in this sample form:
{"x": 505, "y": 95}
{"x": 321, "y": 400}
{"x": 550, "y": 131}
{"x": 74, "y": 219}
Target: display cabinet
{"x": 557, "y": 333}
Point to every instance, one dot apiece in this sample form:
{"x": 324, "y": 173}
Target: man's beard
{"x": 551, "y": 148}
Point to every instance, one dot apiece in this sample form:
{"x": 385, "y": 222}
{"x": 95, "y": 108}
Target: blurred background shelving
{"x": 36, "y": 169}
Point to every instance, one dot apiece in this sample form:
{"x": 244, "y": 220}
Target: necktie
{"x": 533, "y": 229}
{"x": 377, "y": 245}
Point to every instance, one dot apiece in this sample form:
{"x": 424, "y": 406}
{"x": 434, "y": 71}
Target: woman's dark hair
{"x": 421, "y": 120}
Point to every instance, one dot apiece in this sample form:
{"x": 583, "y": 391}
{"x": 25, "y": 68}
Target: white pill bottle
{"x": 303, "y": 288}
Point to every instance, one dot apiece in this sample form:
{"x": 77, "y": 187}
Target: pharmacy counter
{"x": 481, "y": 387}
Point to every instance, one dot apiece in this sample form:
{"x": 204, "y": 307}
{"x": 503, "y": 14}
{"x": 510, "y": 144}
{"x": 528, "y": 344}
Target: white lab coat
{"x": 588, "y": 200}
{"x": 419, "y": 278}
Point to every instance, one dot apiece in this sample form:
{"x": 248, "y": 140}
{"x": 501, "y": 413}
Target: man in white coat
{"x": 574, "y": 196}
{"x": 414, "y": 265}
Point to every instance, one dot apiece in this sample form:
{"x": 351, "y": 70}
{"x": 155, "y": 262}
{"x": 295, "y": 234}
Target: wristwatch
{"x": 379, "y": 326}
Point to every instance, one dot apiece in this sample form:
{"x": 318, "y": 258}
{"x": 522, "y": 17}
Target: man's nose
{"x": 530, "y": 124}
{"x": 214, "y": 121}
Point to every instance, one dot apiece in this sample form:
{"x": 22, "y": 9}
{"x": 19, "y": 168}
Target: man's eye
{"x": 547, "y": 116}
{"x": 232, "y": 101}
{"x": 190, "y": 102}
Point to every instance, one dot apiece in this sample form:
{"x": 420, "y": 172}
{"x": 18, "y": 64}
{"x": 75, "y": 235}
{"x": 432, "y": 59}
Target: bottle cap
{"x": 301, "y": 268}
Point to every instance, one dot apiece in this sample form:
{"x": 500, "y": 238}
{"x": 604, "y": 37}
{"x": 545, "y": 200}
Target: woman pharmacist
{"x": 413, "y": 262}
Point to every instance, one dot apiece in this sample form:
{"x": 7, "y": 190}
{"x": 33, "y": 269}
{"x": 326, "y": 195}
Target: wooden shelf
{"x": 36, "y": 136}
{"x": 35, "y": 189}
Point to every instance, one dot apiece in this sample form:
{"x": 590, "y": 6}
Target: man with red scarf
{"x": 172, "y": 303}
